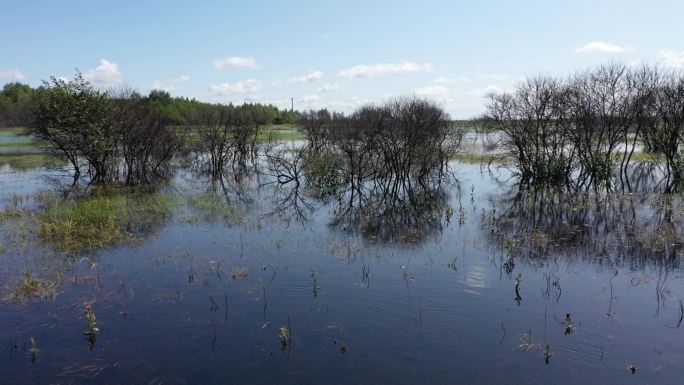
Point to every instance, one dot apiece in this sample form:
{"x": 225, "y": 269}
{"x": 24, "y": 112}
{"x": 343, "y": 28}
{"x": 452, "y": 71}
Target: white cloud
{"x": 380, "y": 69}
{"x": 157, "y": 85}
{"x": 241, "y": 87}
{"x": 105, "y": 74}
{"x": 308, "y": 78}
{"x": 181, "y": 79}
{"x": 329, "y": 88}
{"x": 275, "y": 83}
{"x": 11, "y": 75}
{"x": 235, "y": 61}
{"x": 309, "y": 99}
{"x": 444, "y": 81}
{"x": 671, "y": 58}
{"x": 497, "y": 77}
{"x": 164, "y": 86}
{"x": 432, "y": 91}
{"x": 600, "y": 46}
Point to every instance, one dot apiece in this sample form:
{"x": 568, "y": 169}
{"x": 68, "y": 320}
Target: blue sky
{"x": 334, "y": 54}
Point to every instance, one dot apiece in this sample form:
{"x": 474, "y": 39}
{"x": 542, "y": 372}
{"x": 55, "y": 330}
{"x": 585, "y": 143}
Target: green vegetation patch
{"x": 474, "y": 158}
{"x": 25, "y": 161}
{"x": 211, "y": 206}
{"x": 13, "y": 130}
{"x": 30, "y": 286}
{"x": 18, "y": 145}
{"x": 280, "y": 134}
{"x": 102, "y": 221}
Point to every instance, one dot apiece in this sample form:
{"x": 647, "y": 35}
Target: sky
{"x": 332, "y": 54}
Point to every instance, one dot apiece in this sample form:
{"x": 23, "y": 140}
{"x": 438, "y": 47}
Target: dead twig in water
{"x": 213, "y": 341}
{"x": 225, "y": 298}
{"x": 213, "y": 306}
{"x": 610, "y": 304}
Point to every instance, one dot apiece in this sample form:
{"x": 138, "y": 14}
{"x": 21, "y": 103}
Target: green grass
{"x": 30, "y": 286}
{"x": 12, "y": 141}
{"x": 641, "y": 156}
{"x": 469, "y": 157}
{"x": 24, "y": 161}
{"x": 475, "y": 158}
{"x": 17, "y": 145}
{"x": 13, "y": 130}
{"x": 211, "y": 206}
{"x": 283, "y": 126}
{"x": 102, "y": 221}
{"x": 280, "y": 134}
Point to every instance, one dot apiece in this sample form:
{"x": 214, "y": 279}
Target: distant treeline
{"x": 18, "y": 103}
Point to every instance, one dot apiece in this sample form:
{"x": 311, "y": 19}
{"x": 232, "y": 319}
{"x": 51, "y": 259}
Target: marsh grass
{"x": 285, "y": 134}
{"x": 239, "y": 273}
{"x": 102, "y": 220}
{"x": 23, "y": 161}
{"x": 481, "y": 158}
{"x": 30, "y": 286}
{"x": 14, "y": 208}
{"x": 18, "y": 145}
{"x": 211, "y": 207}
{"x": 13, "y": 130}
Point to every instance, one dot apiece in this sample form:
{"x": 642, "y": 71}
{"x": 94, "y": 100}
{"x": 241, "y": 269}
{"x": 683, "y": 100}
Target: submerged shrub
{"x": 114, "y": 136}
{"x": 583, "y": 130}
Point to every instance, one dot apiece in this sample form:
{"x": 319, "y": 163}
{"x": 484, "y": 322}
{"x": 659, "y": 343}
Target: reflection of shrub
{"x": 102, "y": 221}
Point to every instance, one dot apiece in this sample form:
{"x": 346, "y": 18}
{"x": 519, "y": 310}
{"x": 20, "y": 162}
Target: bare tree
{"x": 535, "y": 123}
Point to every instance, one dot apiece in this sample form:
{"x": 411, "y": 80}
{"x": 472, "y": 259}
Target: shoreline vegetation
{"x": 588, "y": 130}
{"x": 387, "y": 168}
{"x": 153, "y": 200}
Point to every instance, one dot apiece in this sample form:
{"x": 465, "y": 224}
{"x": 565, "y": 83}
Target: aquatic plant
{"x": 33, "y": 350}
{"x": 92, "y": 330}
{"x": 240, "y": 272}
{"x": 568, "y": 324}
{"x": 547, "y": 353}
{"x": 449, "y": 213}
{"x": 461, "y": 215}
{"x": 518, "y": 281}
{"x": 527, "y": 344}
{"x": 30, "y": 286}
{"x": 284, "y": 336}
{"x": 315, "y": 288}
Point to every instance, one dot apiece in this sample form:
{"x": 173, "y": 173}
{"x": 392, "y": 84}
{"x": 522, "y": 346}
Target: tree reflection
{"x": 632, "y": 230}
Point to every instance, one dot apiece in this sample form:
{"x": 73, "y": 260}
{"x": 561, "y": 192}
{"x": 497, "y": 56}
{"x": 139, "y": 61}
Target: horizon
{"x": 331, "y": 56}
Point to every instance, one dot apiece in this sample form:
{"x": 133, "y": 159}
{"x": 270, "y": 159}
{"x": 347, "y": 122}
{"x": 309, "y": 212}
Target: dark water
{"x": 441, "y": 309}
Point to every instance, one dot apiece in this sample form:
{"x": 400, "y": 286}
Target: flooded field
{"x": 254, "y": 283}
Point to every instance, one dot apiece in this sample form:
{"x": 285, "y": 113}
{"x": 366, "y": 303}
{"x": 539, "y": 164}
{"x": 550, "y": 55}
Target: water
{"x": 437, "y": 308}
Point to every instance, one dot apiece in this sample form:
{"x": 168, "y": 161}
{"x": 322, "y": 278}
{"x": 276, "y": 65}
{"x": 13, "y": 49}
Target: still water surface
{"x": 200, "y": 300}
